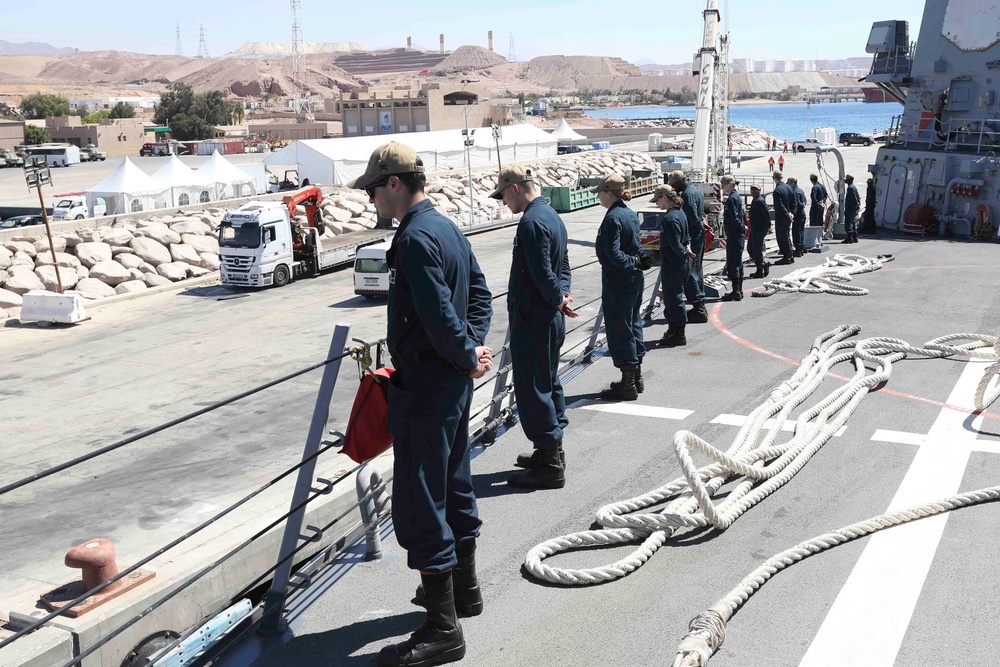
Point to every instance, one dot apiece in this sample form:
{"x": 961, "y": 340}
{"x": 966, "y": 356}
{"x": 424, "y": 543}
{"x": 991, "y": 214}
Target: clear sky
{"x": 660, "y": 31}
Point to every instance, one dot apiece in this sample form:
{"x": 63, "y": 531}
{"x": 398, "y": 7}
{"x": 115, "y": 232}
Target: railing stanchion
{"x": 272, "y": 622}
{"x": 498, "y": 386}
{"x": 367, "y": 481}
{"x": 648, "y": 315}
{"x": 592, "y": 345}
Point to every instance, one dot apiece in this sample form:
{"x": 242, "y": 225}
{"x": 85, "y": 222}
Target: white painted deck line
{"x": 788, "y": 426}
{"x": 633, "y": 410}
{"x": 868, "y": 620}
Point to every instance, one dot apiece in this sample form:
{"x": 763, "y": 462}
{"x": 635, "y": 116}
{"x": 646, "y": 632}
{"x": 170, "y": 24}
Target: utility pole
{"x": 37, "y": 174}
{"x": 179, "y": 46}
{"x": 202, "y": 46}
{"x": 497, "y": 133}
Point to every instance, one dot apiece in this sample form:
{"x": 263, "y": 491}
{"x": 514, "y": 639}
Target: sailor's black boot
{"x": 737, "y": 293}
{"x": 548, "y": 473}
{"x": 624, "y": 390}
{"x": 759, "y": 273}
{"x": 440, "y": 639}
{"x": 639, "y": 384}
{"x": 676, "y": 338}
{"x": 767, "y": 269}
{"x": 531, "y": 460}
{"x": 697, "y": 314}
{"x": 468, "y": 598}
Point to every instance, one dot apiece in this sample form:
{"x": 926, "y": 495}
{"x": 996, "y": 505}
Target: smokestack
{"x": 491, "y": 40}
{"x": 409, "y": 42}
{"x": 442, "y": 42}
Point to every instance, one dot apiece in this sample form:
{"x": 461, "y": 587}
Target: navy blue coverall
{"x": 852, "y": 206}
{"x": 539, "y": 277}
{"x": 783, "y": 199}
{"x": 817, "y": 195}
{"x": 621, "y": 285}
{"x": 799, "y": 218}
{"x": 439, "y": 311}
{"x": 674, "y": 241}
{"x": 694, "y": 210}
{"x": 760, "y": 222}
{"x": 735, "y": 228}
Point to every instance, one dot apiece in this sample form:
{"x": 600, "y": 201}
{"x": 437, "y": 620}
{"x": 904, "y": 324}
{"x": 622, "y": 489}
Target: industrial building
{"x": 118, "y": 136}
{"x": 11, "y": 133}
{"x": 434, "y": 106}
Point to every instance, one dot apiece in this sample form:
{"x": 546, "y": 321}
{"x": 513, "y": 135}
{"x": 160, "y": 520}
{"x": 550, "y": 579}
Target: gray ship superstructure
{"x": 938, "y": 170}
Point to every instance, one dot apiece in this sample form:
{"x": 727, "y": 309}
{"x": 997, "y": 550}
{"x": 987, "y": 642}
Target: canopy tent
{"x": 183, "y": 185}
{"x": 338, "y": 161}
{"x": 566, "y": 134}
{"x": 127, "y": 190}
{"x": 230, "y": 181}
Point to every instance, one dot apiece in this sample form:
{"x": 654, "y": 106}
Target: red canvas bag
{"x": 368, "y": 429}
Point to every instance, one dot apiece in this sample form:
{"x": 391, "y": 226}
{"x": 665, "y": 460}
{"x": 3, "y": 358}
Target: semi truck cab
{"x": 255, "y": 246}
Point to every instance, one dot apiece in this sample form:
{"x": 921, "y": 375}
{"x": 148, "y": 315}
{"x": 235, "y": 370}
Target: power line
{"x": 179, "y": 48}
{"x": 202, "y": 46}
{"x": 511, "y": 54}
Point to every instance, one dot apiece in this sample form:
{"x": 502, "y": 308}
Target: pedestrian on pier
{"x": 770, "y": 163}
{"x": 852, "y": 206}
{"x": 783, "y": 199}
{"x": 781, "y": 162}
{"x": 621, "y": 259}
{"x": 735, "y": 228}
{"x": 538, "y": 302}
{"x": 784, "y": 147}
{"x": 438, "y": 315}
{"x": 817, "y": 197}
{"x": 760, "y": 226}
{"x": 739, "y": 159}
{"x": 798, "y": 217}
{"x": 868, "y": 219}
{"x": 676, "y": 255}
{"x": 694, "y": 210}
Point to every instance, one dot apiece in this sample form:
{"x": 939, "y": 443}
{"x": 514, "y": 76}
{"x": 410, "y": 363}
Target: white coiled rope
{"x": 831, "y": 277}
{"x": 761, "y": 465}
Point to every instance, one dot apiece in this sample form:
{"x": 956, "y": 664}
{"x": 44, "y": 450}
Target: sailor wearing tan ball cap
{"x": 622, "y": 264}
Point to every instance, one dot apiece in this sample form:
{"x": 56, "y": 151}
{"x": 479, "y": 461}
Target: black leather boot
{"x": 639, "y": 384}
{"x": 677, "y": 339}
{"x": 759, "y": 273}
{"x": 468, "y": 598}
{"x": 737, "y": 292}
{"x": 531, "y": 460}
{"x": 697, "y": 314}
{"x": 624, "y": 390}
{"x": 767, "y": 269}
{"x": 440, "y": 639}
{"x": 548, "y": 473}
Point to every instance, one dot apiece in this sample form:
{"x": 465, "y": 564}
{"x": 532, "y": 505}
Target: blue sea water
{"x": 785, "y": 121}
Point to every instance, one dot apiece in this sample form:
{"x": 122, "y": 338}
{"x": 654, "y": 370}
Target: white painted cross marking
{"x": 739, "y": 420}
{"x": 868, "y": 620}
{"x": 633, "y": 410}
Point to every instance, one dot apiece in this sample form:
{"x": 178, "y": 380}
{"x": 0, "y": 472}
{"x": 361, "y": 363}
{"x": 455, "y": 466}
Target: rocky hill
{"x": 470, "y": 58}
{"x": 31, "y": 49}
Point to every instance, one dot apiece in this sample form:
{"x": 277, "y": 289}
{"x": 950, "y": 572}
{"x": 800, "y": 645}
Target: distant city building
{"x": 119, "y": 136}
{"x": 136, "y": 102}
{"x": 434, "y": 106}
{"x": 749, "y": 65}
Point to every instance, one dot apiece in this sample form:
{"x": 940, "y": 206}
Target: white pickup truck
{"x": 73, "y": 206}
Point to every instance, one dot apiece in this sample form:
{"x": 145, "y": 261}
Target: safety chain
{"x": 762, "y": 465}
{"x": 830, "y": 277}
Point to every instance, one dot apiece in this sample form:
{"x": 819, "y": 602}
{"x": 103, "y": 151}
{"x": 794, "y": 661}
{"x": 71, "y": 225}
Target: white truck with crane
{"x": 261, "y": 244}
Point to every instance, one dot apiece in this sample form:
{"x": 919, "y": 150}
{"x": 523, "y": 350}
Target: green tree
{"x": 237, "y": 112}
{"x": 41, "y": 105}
{"x": 190, "y": 128}
{"x": 122, "y": 110}
{"x": 35, "y": 135}
{"x": 97, "y": 117}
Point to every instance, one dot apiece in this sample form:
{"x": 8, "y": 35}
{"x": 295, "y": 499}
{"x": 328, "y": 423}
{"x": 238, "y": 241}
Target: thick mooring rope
{"x": 760, "y": 465}
{"x": 831, "y": 277}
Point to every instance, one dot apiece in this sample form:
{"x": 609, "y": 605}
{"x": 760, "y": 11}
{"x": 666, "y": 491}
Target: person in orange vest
{"x": 770, "y": 164}
{"x": 784, "y": 147}
{"x": 781, "y": 162}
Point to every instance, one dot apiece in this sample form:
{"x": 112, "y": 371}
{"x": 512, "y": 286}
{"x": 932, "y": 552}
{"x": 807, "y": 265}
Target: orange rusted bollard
{"x": 97, "y": 560}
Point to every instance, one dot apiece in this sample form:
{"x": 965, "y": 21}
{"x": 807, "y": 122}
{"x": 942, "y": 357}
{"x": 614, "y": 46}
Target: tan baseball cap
{"x": 676, "y": 176}
{"x": 515, "y": 173}
{"x": 728, "y": 179}
{"x": 610, "y": 183}
{"x": 388, "y": 159}
{"x": 660, "y": 191}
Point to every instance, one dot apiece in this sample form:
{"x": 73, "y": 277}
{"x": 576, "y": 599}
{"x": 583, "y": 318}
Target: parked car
{"x": 563, "y": 150}
{"x": 808, "y": 145}
{"x": 11, "y": 159}
{"x": 851, "y": 138}
{"x": 91, "y": 153}
{"x": 21, "y": 221}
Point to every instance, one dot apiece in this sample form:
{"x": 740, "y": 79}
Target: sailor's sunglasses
{"x": 381, "y": 182}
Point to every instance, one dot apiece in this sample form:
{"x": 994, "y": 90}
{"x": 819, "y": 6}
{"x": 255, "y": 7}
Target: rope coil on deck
{"x": 830, "y": 277}
{"x": 759, "y": 464}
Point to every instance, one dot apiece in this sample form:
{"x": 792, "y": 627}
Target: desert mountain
{"x": 281, "y": 49}
{"x": 30, "y": 49}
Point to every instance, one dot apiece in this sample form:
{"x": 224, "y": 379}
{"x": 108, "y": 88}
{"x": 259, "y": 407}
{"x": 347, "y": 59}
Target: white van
{"x": 371, "y": 271}
{"x": 73, "y": 206}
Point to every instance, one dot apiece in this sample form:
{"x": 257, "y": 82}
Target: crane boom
{"x": 704, "y": 68}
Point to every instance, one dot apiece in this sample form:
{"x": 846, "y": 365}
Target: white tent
{"x": 230, "y": 181}
{"x": 564, "y": 133}
{"x": 338, "y": 161}
{"x": 183, "y": 185}
{"x": 127, "y": 190}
